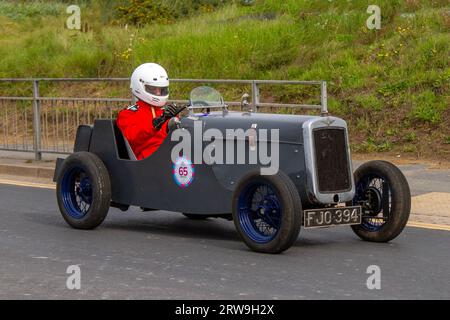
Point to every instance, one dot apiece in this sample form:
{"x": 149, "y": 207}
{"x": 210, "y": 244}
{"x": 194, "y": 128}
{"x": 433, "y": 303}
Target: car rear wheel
{"x": 383, "y": 191}
{"x": 267, "y": 212}
{"x": 83, "y": 190}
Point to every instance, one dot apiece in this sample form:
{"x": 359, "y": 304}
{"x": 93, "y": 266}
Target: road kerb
{"x": 28, "y": 184}
{"x": 27, "y": 171}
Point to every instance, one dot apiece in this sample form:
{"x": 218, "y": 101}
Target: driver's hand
{"x": 172, "y": 110}
{"x": 169, "y": 112}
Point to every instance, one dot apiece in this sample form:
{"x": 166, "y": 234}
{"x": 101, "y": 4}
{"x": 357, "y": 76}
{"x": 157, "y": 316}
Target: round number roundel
{"x": 183, "y": 172}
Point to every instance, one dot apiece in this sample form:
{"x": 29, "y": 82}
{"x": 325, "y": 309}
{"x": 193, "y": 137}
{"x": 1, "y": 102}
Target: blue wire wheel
{"x": 374, "y": 193}
{"x": 76, "y": 192}
{"x": 383, "y": 192}
{"x": 260, "y": 212}
{"x": 83, "y": 190}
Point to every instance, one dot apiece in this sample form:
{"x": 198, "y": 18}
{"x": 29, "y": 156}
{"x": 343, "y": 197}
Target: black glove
{"x": 169, "y": 112}
{"x": 172, "y": 110}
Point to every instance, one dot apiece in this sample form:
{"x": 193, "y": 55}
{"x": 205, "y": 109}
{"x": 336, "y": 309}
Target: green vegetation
{"x": 391, "y": 85}
{"x": 21, "y": 10}
{"x": 142, "y": 12}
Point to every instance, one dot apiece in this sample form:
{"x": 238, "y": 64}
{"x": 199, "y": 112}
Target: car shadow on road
{"x": 175, "y": 225}
{"x": 209, "y": 229}
{"x": 325, "y": 237}
{"x": 219, "y": 230}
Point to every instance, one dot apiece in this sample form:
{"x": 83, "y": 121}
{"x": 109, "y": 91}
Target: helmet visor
{"x": 157, "y": 91}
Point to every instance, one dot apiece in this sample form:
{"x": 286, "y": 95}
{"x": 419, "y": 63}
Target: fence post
{"x": 324, "y": 98}
{"x": 36, "y": 121}
{"x": 255, "y": 95}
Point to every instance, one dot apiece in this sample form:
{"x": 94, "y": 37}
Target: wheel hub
{"x": 259, "y": 212}
{"x": 372, "y": 201}
{"x": 266, "y": 208}
{"x": 84, "y": 190}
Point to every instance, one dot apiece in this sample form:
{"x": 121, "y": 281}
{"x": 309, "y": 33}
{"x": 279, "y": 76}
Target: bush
{"x": 138, "y": 12}
{"x": 144, "y": 12}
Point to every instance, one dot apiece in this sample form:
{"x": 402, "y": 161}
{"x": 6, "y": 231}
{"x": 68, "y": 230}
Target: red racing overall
{"x": 136, "y": 124}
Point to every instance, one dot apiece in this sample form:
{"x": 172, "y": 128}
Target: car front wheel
{"x": 267, "y": 212}
{"x": 383, "y": 192}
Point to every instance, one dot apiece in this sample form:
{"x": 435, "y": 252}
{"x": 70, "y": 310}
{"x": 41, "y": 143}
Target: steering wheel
{"x": 201, "y": 103}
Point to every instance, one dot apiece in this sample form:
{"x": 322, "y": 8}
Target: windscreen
{"x": 206, "y": 97}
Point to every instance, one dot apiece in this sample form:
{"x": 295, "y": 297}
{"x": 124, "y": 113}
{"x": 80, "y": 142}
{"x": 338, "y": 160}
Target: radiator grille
{"x": 332, "y": 163}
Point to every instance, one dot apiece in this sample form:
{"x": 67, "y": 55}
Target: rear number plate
{"x": 316, "y": 218}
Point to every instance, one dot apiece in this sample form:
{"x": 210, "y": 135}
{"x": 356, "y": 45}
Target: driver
{"x": 144, "y": 124}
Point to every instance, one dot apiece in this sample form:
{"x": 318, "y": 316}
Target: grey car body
{"x": 314, "y": 166}
{"x": 217, "y": 164}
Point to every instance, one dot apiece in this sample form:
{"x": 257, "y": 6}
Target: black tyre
{"x": 83, "y": 190}
{"x": 195, "y": 216}
{"x": 383, "y": 191}
{"x": 267, "y": 212}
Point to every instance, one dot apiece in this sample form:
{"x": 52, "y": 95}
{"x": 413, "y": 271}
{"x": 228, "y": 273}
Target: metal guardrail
{"x": 48, "y": 124}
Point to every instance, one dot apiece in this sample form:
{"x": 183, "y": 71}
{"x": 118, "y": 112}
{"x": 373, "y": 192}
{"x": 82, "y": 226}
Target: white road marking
{"x": 428, "y": 226}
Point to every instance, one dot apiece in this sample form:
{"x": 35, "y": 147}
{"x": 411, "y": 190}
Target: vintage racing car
{"x": 312, "y": 187}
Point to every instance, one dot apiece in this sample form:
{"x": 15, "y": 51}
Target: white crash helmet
{"x": 150, "y": 83}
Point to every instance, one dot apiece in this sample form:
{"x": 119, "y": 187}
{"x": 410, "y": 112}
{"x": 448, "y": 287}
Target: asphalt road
{"x": 162, "y": 255}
